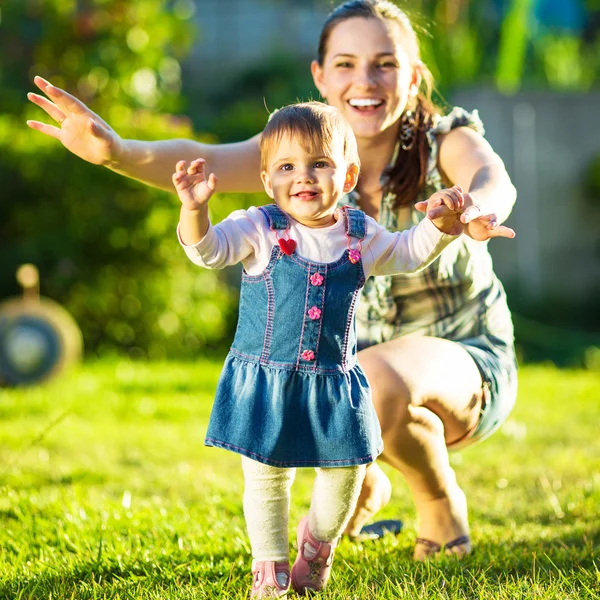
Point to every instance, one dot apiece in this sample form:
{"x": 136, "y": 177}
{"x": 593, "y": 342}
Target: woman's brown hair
{"x": 407, "y": 174}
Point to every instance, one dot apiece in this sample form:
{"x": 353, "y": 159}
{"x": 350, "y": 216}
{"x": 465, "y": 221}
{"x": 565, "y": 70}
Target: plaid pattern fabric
{"x": 458, "y": 296}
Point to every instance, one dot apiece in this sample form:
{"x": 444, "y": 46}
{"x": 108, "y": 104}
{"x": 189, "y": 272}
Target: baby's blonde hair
{"x": 317, "y": 126}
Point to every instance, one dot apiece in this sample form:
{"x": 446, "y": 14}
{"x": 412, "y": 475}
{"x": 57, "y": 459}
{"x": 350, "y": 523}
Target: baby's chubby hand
{"x": 444, "y": 209}
{"x": 193, "y": 188}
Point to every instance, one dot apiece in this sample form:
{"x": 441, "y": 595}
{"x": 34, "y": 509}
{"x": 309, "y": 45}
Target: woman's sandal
{"x": 434, "y": 549}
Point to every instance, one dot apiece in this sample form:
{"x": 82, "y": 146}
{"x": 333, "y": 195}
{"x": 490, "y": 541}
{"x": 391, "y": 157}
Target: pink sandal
{"x": 265, "y": 584}
{"x": 312, "y": 567}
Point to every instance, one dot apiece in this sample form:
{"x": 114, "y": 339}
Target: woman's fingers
{"x": 41, "y": 83}
{"x": 64, "y": 100}
{"x": 501, "y": 231}
{"x": 487, "y": 227}
{"x": 470, "y": 213}
{"x": 44, "y": 128}
{"x": 49, "y": 107}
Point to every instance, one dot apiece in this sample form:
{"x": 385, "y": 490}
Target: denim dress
{"x": 291, "y": 393}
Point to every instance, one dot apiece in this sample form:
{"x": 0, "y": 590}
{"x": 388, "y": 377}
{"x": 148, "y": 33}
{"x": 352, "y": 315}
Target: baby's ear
{"x": 267, "y": 183}
{"x": 351, "y": 178}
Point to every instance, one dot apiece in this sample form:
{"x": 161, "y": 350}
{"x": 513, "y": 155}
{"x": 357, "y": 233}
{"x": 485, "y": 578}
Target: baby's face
{"x": 307, "y": 185}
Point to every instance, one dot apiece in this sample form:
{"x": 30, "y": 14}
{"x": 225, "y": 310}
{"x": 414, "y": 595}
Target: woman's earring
{"x": 407, "y": 130}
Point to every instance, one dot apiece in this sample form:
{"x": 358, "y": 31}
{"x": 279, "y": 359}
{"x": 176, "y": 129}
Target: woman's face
{"x": 367, "y": 75}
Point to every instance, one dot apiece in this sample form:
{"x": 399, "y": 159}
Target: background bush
{"x": 105, "y": 245}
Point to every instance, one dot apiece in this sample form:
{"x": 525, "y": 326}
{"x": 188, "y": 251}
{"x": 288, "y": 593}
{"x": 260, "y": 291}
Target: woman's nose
{"x": 365, "y": 77}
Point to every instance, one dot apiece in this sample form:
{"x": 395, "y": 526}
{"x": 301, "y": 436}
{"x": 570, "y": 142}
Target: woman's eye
{"x": 344, "y": 65}
{"x": 387, "y": 65}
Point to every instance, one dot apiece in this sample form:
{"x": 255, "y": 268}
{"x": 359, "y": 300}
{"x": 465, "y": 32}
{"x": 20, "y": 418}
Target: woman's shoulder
{"x": 457, "y": 117}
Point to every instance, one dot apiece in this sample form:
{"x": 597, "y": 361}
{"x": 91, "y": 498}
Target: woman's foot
{"x": 375, "y": 493}
{"x": 270, "y": 579}
{"x": 443, "y": 526}
{"x": 312, "y": 567}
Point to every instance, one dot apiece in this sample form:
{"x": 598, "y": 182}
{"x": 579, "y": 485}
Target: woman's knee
{"x": 391, "y": 393}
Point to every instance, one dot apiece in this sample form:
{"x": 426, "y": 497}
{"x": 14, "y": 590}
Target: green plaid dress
{"x": 458, "y": 297}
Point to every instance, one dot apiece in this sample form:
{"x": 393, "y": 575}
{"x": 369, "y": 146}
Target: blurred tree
{"x": 552, "y": 44}
{"x": 105, "y": 246}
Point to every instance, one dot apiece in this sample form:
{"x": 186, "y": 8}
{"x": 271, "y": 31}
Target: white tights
{"x": 267, "y": 504}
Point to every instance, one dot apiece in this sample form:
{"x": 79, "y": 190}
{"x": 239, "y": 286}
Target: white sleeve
{"x": 233, "y": 240}
{"x": 406, "y": 251}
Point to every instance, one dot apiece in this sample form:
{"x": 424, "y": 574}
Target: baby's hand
{"x": 444, "y": 209}
{"x": 193, "y": 189}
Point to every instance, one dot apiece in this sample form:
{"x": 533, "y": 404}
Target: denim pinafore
{"x": 291, "y": 393}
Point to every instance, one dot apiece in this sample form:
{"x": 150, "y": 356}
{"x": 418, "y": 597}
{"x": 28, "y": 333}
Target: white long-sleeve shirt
{"x": 245, "y": 237}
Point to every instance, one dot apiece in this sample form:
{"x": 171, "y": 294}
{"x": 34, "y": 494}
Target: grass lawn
{"x": 107, "y": 491}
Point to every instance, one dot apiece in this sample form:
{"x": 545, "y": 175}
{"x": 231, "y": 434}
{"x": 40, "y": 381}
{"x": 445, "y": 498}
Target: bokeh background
{"x": 212, "y": 69}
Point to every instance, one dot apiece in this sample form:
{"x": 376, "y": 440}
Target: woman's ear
{"x": 267, "y": 183}
{"x": 415, "y": 82}
{"x": 317, "y": 73}
{"x": 351, "y": 178}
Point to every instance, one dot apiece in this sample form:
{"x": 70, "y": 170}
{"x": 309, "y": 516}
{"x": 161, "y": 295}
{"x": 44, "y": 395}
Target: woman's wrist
{"x": 121, "y": 149}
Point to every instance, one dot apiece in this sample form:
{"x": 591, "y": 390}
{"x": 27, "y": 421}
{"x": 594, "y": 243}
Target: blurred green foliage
{"x": 241, "y": 109}
{"x": 105, "y": 246}
{"x": 507, "y": 44}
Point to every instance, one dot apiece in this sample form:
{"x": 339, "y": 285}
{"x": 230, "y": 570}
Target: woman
{"x": 452, "y": 381}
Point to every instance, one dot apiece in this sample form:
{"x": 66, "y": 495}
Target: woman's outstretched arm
{"x": 85, "y": 134}
{"x": 467, "y": 159}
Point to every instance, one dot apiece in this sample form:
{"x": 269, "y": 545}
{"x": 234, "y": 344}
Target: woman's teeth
{"x": 367, "y": 103}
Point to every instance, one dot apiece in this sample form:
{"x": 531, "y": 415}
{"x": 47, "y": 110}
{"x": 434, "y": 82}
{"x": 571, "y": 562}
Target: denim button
{"x": 354, "y": 256}
{"x": 314, "y": 313}
{"x": 316, "y": 279}
{"x": 308, "y": 355}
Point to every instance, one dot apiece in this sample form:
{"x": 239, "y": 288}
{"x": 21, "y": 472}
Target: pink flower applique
{"x": 308, "y": 355}
{"x": 353, "y": 256}
{"x": 316, "y": 279}
{"x": 314, "y": 313}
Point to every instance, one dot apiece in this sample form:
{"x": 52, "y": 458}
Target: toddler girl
{"x": 291, "y": 393}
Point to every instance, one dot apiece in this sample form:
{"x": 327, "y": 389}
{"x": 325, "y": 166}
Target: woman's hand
{"x": 193, "y": 189}
{"x": 80, "y": 130}
{"x": 469, "y": 218}
{"x": 481, "y": 227}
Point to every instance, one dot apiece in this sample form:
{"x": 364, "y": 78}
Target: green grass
{"x": 107, "y": 491}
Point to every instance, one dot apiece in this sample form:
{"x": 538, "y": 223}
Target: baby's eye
{"x": 286, "y": 167}
{"x": 321, "y": 164}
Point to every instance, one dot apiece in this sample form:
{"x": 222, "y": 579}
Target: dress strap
{"x": 356, "y": 223}
{"x": 276, "y": 218}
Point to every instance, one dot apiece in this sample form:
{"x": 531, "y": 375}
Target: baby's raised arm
{"x": 88, "y": 136}
{"x": 194, "y": 191}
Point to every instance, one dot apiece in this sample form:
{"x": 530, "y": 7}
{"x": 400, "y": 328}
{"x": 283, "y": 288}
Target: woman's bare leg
{"x": 427, "y": 393}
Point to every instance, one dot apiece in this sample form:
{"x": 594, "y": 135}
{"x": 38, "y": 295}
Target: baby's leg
{"x": 266, "y": 509}
{"x": 333, "y": 501}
